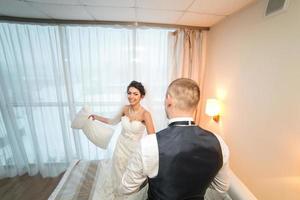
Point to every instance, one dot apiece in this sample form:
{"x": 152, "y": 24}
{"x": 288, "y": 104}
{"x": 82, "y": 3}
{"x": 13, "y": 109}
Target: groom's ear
{"x": 169, "y": 100}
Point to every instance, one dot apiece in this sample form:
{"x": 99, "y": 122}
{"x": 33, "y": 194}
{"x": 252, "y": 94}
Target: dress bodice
{"x": 132, "y": 129}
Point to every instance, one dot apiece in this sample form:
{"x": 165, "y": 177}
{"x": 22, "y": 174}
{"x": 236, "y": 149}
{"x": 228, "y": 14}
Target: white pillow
{"x": 98, "y": 133}
{"x": 81, "y": 117}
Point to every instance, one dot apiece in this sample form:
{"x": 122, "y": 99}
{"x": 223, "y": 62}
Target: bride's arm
{"x": 149, "y": 123}
{"x": 99, "y": 118}
{"x": 111, "y": 121}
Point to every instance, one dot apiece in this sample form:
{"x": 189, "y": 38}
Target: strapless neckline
{"x": 132, "y": 121}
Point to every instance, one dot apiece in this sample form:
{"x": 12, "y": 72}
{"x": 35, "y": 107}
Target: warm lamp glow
{"x": 221, "y": 94}
{"x": 213, "y": 108}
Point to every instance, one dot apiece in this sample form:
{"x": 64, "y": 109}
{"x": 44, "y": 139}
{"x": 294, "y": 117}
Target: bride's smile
{"x": 134, "y": 96}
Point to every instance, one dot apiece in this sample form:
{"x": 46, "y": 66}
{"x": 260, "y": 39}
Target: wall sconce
{"x": 213, "y": 109}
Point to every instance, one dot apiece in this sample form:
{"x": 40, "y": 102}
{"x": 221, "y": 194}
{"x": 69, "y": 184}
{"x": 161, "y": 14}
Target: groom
{"x": 183, "y": 160}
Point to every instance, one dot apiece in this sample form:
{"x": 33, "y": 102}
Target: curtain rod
{"x": 96, "y": 22}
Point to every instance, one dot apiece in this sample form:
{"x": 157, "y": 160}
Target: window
{"x": 47, "y": 72}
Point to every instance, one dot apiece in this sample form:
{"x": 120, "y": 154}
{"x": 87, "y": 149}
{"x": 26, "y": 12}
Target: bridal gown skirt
{"x": 106, "y": 186}
{"x": 110, "y": 173}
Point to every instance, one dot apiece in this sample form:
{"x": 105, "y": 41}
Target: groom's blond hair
{"x": 185, "y": 93}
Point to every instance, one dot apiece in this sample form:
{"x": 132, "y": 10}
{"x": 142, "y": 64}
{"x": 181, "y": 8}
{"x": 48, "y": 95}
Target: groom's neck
{"x": 180, "y": 113}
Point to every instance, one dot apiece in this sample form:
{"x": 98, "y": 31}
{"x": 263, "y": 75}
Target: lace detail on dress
{"x": 109, "y": 178}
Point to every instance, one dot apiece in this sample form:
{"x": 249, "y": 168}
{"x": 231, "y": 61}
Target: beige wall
{"x": 255, "y": 62}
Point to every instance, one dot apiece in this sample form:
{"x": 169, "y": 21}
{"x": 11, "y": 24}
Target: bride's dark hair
{"x": 138, "y": 85}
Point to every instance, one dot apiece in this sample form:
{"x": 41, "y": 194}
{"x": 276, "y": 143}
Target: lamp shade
{"x": 212, "y": 107}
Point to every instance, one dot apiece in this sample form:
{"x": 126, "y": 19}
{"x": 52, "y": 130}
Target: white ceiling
{"x": 203, "y": 13}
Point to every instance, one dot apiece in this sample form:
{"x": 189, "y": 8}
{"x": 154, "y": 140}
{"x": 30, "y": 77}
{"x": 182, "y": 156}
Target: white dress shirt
{"x": 144, "y": 163}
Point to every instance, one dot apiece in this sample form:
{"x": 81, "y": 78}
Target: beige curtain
{"x": 187, "y": 58}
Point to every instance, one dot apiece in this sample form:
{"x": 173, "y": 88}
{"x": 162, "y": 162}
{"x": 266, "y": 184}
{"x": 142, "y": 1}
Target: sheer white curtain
{"x": 47, "y": 72}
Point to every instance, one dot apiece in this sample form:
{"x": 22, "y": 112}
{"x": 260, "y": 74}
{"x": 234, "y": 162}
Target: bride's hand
{"x": 92, "y": 116}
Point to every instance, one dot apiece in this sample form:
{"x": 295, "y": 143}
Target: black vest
{"x": 189, "y": 159}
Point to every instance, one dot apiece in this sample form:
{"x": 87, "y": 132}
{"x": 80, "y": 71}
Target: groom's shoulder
{"x": 168, "y": 129}
{"x": 195, "y": 129}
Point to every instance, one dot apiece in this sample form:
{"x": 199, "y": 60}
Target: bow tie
{"x": 182, "y": 123}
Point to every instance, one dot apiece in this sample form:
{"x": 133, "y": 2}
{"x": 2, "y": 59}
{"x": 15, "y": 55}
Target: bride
{"x": 134, "y": 119}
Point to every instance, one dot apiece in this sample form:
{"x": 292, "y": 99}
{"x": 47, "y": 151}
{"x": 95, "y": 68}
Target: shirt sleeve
{"x": 143, "y": 164}
{"x": 221, "y": 181}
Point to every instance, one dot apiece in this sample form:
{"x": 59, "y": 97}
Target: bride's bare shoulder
{"x": 125, "y": 109}
{"x": 146, "y": 112}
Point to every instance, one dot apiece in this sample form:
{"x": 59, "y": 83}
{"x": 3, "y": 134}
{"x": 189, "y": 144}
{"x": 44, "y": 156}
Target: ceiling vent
{"x": 276, "y": 6}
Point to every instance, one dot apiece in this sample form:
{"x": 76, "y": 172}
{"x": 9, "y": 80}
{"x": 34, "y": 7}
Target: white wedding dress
{"x": 110, "y": 175}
